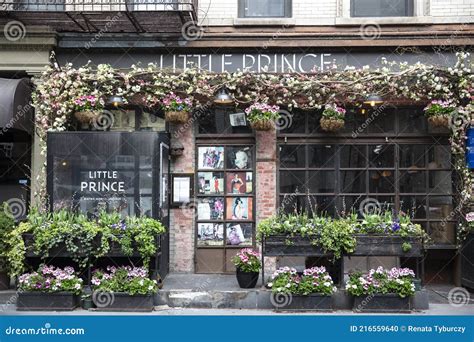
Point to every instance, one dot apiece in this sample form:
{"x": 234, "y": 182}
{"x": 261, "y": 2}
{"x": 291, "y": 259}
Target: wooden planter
{"x": 391, "y": 303}
{"x": 279, "y": 245}
{"x": 386, "y": 245}
{"x": 262, "y": 125}
{"x": 40, "y": 301}
{"x": 127, "y": 303}
{"x": 177, "y": 117}
{"x": 331, "y": 125}
{"x": 312, "y": 302}
{"x": 467, "y": 258}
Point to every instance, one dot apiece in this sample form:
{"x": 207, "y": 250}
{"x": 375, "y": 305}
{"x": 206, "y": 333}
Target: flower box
{"x": 390, "y": 303}
{"x": 119, "y": 301}
{"x": 43, "y": 301}
{"x": 386, "y": 245}
{"x": 277, "y": 245}
{"x": 311, "y": 302}
{"x": 60, "y": 250}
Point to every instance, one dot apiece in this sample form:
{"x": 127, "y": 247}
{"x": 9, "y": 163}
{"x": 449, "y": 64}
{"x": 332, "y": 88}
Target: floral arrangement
{"x": 88, "y": 102}
{"x": 50, "y": 279}
{"x": 174, "y": 103}
{"x": 439, "y": 107}
{"x": 396, "y": 280}
{"x": 313, "y": 280}
{"x": 334, "y": 112}
{"x": 131, "y": 280}
{"x": 262, "y": 115}
{"x": 247, "y": 260}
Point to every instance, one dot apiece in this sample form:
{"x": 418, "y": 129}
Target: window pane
{"x": 239, "y": 182}
{"x": 411, "y": 120}
{"x": 413, "y": 156}
{"x": 210, "y": 234}
{"x": 441, "y": 208}
{"x": 379, "y": 8}
{"x": 264, "y": 8}
{"x": 321, "y": 181}
{"x": 353, "y": 181}
{"x": 443, "y": 232}
{"x": 210, "y": 183}
{"x": 239, "y": 208}
{"x": 354, "y": 156}
{"x": 439, "y": 157}
{"x": 239, "y": 157}
{"x": 211, "y": 157}
{"x": 239, "y": 234}
{"x": 412, "y": 181}
{"x": 292, "y": 181}
{"x": 383, "y": 123}
{"x": 291, "y": 203}
{"x": 440, "y": 182}
{"x": 210, "y": 208}
{"x": 381, "y": 156}
{"x": 355, "y": 122}
{"x": 298, "y": 122}
{"x": 414, "y": 206}
{"x": 381, "y": 181}
{"x": 217, "y": 121}
{"x": 292, "y": 156}
{"x": 322, "y": 205}
{"x": 322, "y": 156}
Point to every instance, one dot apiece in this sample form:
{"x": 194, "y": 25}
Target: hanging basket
{"x": 439, "y": 120}
{"x": 87, "y": 116}
{"x": 262, "y": 125}
{"x": 138, "y": 100}
{"x": 177, "y": 117}
{"x": 331, "y": 125}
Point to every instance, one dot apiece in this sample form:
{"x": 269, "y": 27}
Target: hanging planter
{"x": 88, "y": 108}
{"x": 86, "y": 116}
{"x": 262, "y": 116}
{"x": 176, "y": 108}
{"x": 332, "y": 119}
{"x": 439, "y": 113}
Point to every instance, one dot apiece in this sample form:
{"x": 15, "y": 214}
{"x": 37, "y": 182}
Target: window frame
{"x": 409, "y": 11}
{"x": 288, "y": 11}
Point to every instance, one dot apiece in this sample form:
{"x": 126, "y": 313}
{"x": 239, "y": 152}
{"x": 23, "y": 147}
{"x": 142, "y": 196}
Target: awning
{"x": 16, "y": 111}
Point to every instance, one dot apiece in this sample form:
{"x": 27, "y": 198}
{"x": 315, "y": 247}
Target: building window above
{"x": 265, "y": 9}
{"x": 381, "y": 8}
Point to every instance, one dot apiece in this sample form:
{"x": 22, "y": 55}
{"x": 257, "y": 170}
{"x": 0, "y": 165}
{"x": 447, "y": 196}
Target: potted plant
{"x": 247, "y": 264}
{"x": 439, "y": 112}
{"x": 382, "y": 290}
{"x": 176, "y": 108}
{"x": 49, "y": 288}
{"x": 311, "y": 290}
{"x": 123, "y": 288}
{"x": 87, "y": 108}
{"x": 262, "y": 116}
{"x": 7, "y": 224}
{"x": 332, "y": 118}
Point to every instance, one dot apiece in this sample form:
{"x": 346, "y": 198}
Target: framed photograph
{"x": 182, "y": 188}
{"x": 239, "y": 157}
{"x": 239, "y": 183}
{"x": 239, "y": 234}
{"x": 211, "y": 157}
{"x": 239, "y": 208}
{"x": 210, "y": 183}
{"x": 210, "y": 234}
{"x": 210, "y": 208}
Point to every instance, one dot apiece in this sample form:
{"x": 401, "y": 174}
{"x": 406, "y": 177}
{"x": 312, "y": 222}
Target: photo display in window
{"x": 239, "y": 157}
{"x": 239, "y": 182}
{"x": 210, "y": 234}
{"x": 211, "y": 157}
{"x": 239, "y": 234}
{"x": 210, "y": 183}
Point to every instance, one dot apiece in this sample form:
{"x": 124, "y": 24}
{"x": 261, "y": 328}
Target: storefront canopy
{"x": 15, "y": 107}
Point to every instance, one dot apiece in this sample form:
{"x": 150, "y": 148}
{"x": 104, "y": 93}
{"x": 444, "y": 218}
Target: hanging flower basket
{"x": 87, "y": 116}
{"x": 138, "y": 100}
{"x": 331, "y": 125}
{"x": 262, "y": 125}
{"x": 179, "y": 117}
{"x": 439, "y": 120}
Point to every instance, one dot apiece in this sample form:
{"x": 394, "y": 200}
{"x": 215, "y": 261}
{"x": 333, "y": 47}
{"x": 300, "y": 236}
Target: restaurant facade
{"x": 212, "y": 179}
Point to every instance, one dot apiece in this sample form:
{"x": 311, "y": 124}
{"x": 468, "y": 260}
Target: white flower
{"x": 270, "y": 284}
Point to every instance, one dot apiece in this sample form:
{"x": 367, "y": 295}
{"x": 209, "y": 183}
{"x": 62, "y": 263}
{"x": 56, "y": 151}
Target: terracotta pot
{"x": 439, "y": 120}
{"x": 262, "y": 125}
{"x": 177, "y": 117}
{"x": 331, "y": 125}
{"x": 86, "y": 116}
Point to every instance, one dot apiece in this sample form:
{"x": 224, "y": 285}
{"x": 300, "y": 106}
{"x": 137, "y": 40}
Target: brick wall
{"x": 443, "y": 8}
{"x": 182, "y": 220}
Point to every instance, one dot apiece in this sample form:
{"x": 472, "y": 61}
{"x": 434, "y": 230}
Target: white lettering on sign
{"x": 103, "y": 181}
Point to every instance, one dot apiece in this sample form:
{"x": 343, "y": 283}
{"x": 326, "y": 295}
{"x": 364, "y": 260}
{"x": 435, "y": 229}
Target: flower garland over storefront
{"x": 60, "y": 89}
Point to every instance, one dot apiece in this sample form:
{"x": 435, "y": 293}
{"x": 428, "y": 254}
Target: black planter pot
{"x": 4, "y": 281}
{"x": 124, "y": 302}
{"x": 247, "y": 280}
{"x": 312, "y": 302}
{"x": 87, "y": 304}
{"x": 467, "y": 258}
{"x": 391, "y": 303}
{"x": 277, "y": 245}
{"x": 39, "y": 301}
{"x": 387, "y": 245}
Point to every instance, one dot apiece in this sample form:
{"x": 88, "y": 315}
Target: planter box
{"x": 312, "y": 302}
{"x": 391, "y": 303}
{"x": 467, "y": 259}
{"x": 278, "y": 245}
{"x": 39, "y": 301}
{"x": 126, "y": 303}
{"x": 386, "y": 245}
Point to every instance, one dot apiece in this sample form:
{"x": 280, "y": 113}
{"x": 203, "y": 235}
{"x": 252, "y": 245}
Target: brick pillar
{"x": 182, "y": 219}
{"x": 266, "y": 183}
